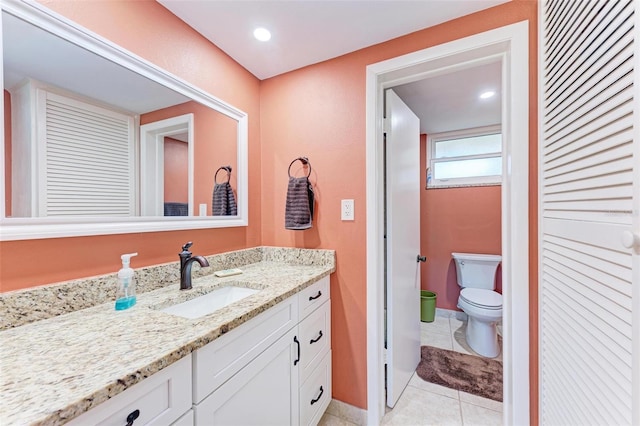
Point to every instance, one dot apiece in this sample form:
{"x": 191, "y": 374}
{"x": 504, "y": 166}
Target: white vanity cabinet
{"x": 273, "y": 370}
{"x": 161, "y": 399}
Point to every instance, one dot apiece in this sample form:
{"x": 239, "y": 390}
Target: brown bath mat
{"x": 468, "y": 373}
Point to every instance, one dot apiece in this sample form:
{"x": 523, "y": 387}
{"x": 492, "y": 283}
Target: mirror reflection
{"x": 87, "y": 137}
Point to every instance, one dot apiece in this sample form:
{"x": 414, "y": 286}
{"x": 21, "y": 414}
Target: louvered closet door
{"x": 589, "y": 195}
{"x": 88, "y": 155}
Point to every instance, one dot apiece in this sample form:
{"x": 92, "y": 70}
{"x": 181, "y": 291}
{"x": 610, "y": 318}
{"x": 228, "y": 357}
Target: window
{"x": 467, "y": 157}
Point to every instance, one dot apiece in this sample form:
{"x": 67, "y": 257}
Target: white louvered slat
{"x": 611, "y": 179}
{"x": 603, "y": 157}
{"x": 588, "y": 216}
{"x": 89, "y": 159}
{"x": 614, "y": 134}
{"x": 587, "y": 191}
{"x": 576, "y": 67}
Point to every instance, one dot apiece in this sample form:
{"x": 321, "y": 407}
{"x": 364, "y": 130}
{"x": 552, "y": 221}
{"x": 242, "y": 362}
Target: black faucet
{"x": 186, "y": 261}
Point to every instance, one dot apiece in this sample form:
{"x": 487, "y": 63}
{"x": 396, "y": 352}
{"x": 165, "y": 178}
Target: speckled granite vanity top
{"x": 54, "y": 369}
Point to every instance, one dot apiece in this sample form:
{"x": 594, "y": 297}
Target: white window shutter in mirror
{"x": 89, "y": 156}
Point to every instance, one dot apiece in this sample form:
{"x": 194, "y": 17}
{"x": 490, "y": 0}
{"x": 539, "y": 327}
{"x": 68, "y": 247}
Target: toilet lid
{"x": 481, "y": 297}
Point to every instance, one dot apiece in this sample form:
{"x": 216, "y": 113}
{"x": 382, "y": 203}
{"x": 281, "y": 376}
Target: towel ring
{"x": 304, "y": 161}
{"x": 227, "y": 169}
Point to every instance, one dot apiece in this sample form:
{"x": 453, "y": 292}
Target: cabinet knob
{"x": 312, "y": 341}
{"x": 132, "y": 417}
{"x": 313, "y": 401}
{"x": 316, "y": 296}
{"x": 297, "y": 342}
{"x": 630, "y": 239}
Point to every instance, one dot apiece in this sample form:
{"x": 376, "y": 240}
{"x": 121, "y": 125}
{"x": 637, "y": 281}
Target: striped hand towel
{"x": 223, "y": 202}
{"x": 298, "y": 213}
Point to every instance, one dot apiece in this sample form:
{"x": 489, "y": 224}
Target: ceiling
{"x": 451, "y": 101}
{"x": 443, "y": 103}
{"x": 305, "y": 32}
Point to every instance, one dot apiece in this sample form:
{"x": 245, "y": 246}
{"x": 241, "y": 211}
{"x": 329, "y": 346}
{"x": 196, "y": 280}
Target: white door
{"x": 590, "y": 167}
{"x": 403, "y": 244}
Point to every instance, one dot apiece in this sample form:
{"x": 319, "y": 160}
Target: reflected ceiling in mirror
{"x": 97, "y": 138}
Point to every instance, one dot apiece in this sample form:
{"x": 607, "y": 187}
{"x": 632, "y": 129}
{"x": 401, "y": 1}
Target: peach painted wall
{"x": 176, "y": 171}
{"x": 319, "y": 111}
{"x": 150, "y": 31}
{"x": 215, "y": 146}
{"x": 7, "y": 152}
{"x": 463, "y": 220}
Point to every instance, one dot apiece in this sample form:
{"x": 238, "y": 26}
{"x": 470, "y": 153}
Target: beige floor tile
{"x": 446, "y": 332}
{"x": 423, "y": 385}
{"x": 473, "y": 415}
{"x": 438, "y": 340}
{"x": 480, "y": 401}
{"x": 331, "y": 420}
{"x": 438, "y": 325}
{"x": 444, "y": 312}
{"x": 417, "y": 407}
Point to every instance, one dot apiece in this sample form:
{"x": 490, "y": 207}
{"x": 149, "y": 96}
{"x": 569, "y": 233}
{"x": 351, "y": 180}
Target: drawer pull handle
{"x": 316, "y": 296}
{"x": 295, "y": 339}
{"x": 313, "y": 401}
{"x": 316, "y": 339}
{"x": 132, "y": 417}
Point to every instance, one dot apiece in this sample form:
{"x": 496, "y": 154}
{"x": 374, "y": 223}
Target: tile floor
{"x": 424, "y": 403}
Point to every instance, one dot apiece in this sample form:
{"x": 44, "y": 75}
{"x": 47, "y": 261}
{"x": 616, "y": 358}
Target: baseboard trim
{"x": 347, "y": 412}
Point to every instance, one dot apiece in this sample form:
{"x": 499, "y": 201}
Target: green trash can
{"x": 427, "y": 306}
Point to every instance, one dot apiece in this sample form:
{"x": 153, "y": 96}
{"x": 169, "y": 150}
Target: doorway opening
{"x": 509, "y": 45}
{"x": 157, "y": 176}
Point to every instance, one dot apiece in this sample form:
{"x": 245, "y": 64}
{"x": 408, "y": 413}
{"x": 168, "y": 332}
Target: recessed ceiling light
{"x": 262, "y": 34}
{"x": 488, "y": 94}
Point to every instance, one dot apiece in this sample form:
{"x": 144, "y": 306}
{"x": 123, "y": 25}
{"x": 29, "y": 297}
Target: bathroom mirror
{"x": 99, "y": 141}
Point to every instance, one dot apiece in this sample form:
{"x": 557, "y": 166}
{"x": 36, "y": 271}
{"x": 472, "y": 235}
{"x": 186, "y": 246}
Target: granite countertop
{"x": 55, "y": 369}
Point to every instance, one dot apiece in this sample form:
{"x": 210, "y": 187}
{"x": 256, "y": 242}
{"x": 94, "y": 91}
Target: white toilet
{"x": 477, "y": 276}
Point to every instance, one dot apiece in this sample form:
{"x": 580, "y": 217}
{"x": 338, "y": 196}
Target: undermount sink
{"x": 210, "y": 302}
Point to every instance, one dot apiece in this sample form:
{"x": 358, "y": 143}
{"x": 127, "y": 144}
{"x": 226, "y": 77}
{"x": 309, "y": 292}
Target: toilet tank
{"x": 476, "y": 270}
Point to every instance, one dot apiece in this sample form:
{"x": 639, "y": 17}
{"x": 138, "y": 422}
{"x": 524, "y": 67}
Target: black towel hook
{"x": 227, "y": 169}
{"x": 304, "y": 161}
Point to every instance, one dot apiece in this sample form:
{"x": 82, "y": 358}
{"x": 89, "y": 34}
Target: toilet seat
{"x": 481, "y": 298}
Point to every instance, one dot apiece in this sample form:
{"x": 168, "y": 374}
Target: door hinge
{"x": 384, "y": 356}
{"x": 385, "y": 125}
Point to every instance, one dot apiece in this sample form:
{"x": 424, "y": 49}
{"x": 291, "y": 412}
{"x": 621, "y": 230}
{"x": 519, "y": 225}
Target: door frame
{"x": 152, "y": 161}
{"x": 510, "y": 45}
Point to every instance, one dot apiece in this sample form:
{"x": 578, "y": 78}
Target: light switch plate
{"x": 347, "y": 212}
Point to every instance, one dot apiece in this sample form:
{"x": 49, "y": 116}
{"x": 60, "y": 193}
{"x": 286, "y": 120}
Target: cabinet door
{"x": 265, "y": 392}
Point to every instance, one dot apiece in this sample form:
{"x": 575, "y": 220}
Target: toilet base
{"x": 482, "y": 337}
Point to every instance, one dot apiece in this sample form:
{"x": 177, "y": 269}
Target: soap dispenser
{"x": 126, "y": 292}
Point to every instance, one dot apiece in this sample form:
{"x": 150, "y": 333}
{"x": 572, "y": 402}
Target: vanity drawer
{"x": 315, "y": 393}
{"x": 313, "y": 296}
{"x": 160, "y": 399}
{"x": 315, "y": 338}
{"x": 218, "y": 361}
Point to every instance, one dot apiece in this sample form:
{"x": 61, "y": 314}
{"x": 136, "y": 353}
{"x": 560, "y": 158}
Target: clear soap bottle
{"x": 126, "y": 292}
